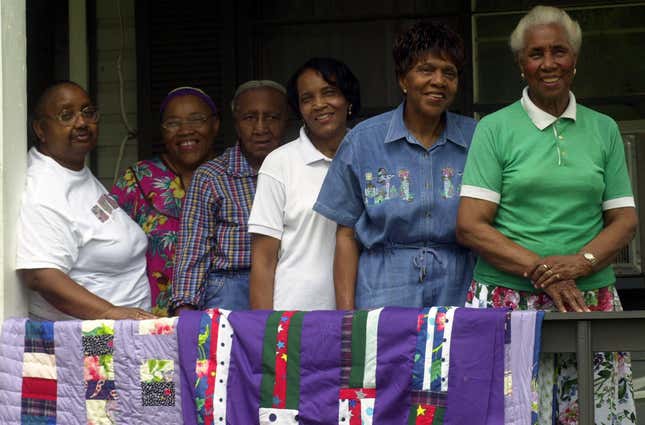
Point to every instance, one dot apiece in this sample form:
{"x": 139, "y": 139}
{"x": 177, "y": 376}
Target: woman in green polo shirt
{"x": 546, "y": 203}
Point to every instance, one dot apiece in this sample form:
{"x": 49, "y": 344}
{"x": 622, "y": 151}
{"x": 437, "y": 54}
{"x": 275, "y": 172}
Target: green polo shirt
{"x": 551, "y": 184}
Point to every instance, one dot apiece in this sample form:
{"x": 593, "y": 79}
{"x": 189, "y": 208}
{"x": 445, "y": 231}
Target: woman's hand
{"x": 118, "y": 313}
{"x": 75, "y": 300}
{"x": 565, "y": 293}
{"x": 549, "y": 270}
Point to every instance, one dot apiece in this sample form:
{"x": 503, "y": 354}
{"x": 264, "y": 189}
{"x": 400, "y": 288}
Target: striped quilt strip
{"x": 537, "y": 347}
{"x": 39, "y": 384}
{"x": 420, "y": 379}
{"x": 431, "y": 365}
{"x": 432, "y": 353}
{"x": 223, "y": 356}
{"x": 448, "y": 321}
{"x": 346, "y": 349}
{"x": 98, "y": 369}
{"x": 211, "y": 347}
{"x": 359, "y": 331}
{"x": 280, "y": 386}
{"x": 358, "y": 372}
{"x": 433, "y": 356}
{"x": 214, "y": 341}
{"x": 371, "y": 348}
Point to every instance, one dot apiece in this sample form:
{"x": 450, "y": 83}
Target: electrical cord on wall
{"x": 131, "y": 132}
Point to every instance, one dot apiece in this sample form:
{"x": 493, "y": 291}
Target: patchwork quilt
{"x": 390, "y": 366}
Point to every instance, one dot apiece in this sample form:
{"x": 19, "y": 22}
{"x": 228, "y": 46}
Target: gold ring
{"x": 557, "y": 276}
{"x": 549, "y": 272}
{"x": 546, "y": 267}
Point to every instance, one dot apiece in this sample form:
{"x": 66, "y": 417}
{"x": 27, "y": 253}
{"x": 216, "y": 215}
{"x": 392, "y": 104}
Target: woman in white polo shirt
{"x": 293, "y": 246}
{"x": 77, "y": 250}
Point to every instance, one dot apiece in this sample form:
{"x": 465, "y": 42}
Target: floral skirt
{"x": 557, "y": 380}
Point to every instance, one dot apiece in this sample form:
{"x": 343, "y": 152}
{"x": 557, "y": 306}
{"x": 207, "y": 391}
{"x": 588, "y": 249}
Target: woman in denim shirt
{"x": 393, "y": 187}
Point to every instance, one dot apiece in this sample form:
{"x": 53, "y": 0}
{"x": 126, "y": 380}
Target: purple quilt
{"x": 387, "y": 366}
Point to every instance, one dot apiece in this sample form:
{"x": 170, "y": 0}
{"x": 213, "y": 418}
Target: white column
{"x": 13, "y": 148}
{"x": 78, "y": 54}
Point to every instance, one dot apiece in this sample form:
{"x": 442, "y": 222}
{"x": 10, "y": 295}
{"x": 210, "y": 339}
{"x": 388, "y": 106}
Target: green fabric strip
{"x": 438, "y": 416}
{"x": 359, "y": 325}
{"x": 412, "y": 417}
{"x": 293, "y": 361}
{"x": 268, "y": 359}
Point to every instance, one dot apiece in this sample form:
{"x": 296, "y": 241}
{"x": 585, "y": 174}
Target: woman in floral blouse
{"x": 152, "y": 191}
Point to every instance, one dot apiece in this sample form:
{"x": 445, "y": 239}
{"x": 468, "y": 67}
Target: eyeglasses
{"x": 192, "y": 122}
{"x": 67, "y": 117}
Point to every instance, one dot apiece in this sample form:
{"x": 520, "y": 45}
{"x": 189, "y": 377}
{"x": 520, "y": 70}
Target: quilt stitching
{"x": 280, "y": 387}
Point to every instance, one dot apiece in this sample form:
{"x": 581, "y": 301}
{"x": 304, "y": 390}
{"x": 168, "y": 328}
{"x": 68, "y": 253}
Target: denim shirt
{"x": 393, "y": 190}
{"x": 396, "y": 193}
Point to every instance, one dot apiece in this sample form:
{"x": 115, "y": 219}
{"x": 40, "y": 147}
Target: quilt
{"x": 390, "y": 366}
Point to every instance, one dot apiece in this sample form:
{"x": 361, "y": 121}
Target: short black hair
{"x": 427, "y": 37}
{"x": 46, "y": 94}
{"x": 41, "y": 103}
{"x": 333, "y": 72}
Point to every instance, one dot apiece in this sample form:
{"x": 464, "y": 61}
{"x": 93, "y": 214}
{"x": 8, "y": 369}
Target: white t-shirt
{"x": 69, "y": 222}
{"x": 288, "y": 185}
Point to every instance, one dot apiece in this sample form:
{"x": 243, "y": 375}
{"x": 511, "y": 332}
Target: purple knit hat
{"x": 187, "y": 91}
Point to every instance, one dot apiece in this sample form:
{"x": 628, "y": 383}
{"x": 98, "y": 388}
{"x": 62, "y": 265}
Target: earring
{"x": 575, "y": 70}
{"x": 405, "y": 91}
{"x": 522, "y": 75}
{"x": 349, "y": 110}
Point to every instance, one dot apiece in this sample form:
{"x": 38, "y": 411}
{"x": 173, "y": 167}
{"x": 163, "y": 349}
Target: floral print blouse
{"x": 153, "y": 195}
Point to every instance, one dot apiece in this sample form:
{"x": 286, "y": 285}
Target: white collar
{"x": 309, "y": 151}
{"x": 542, "y": 119}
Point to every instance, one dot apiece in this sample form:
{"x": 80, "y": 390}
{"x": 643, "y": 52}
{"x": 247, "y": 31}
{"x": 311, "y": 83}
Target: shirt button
{"x": 427, "y": 185}
{"x": 561, "y": 137}
{"x": 428, "y": 214}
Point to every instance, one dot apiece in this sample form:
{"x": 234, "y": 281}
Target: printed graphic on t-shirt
{"x": 104, "y": 207}
{"x": 448, "y": 188}
{"x": 387, "y": 186}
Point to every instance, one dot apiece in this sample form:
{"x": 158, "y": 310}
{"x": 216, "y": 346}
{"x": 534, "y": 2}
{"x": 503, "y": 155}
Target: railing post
{"x": 585, "y": 373}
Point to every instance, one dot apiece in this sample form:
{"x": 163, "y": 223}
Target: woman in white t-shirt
{"x": 77, "y": 250}
{"x": 292, "y": 247}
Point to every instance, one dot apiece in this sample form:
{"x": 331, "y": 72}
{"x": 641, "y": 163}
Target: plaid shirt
{"x": 214, "y": 234}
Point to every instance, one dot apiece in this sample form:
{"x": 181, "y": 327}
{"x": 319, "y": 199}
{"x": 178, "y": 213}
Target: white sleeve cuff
{"x": 264, "y": 230}
{"x": 480, "y": 193}
{"x": 26, "y": 264}
{"x": 626, "y": 201}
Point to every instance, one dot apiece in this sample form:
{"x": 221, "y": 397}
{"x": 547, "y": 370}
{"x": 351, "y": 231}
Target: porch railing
{"x": 586, "y": 333}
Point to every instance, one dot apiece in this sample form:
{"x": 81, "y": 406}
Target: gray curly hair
{"x": 545, "y": 15}
{"x": 256, "y": 84}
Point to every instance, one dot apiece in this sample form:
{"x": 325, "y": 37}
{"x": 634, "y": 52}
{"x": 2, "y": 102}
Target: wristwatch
{"x": 590, "y": 258}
